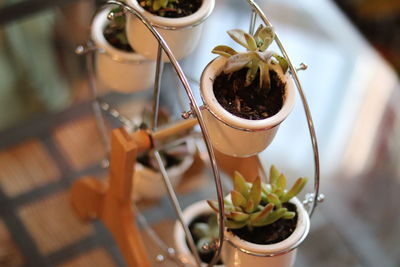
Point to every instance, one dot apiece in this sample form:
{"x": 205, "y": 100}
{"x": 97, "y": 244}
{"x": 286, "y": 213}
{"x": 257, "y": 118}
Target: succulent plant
{"x": 207, "y": 233}
{"x": 258, "y": 204}
{"x": 257, "y": 58}
{"x": 156, "y": 5}
{"x": 115, "y": 30}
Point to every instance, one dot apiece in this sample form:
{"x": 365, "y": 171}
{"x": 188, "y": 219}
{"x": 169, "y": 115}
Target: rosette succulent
{"x": 257, "y": 58}
{"x": 258, "y": 204}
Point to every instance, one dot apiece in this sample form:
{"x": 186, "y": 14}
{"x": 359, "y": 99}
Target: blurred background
{"x": 49, "y": 138}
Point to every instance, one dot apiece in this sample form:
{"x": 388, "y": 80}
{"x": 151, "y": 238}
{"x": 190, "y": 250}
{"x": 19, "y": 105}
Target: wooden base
{"x": 112, "y": 204}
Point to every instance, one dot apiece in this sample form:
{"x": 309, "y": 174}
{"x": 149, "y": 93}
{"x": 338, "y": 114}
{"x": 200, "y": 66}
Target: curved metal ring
{"x": 198, "y": 114}
{"x": 310, "y": 122}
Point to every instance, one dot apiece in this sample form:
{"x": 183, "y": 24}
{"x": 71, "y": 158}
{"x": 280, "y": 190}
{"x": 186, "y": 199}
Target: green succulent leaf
{"x": 238, "y": 36}
{"x": 273, "y": 175}
{"x": 264, "y": 36}
{"x": 264, "y": 79}
{"x": 282, "y": 62}
{"x": 240, "y": 185}
{"x": 249, "y": 206}
{"x": 235, "y": 225}
{"x": 201, "y": 229}
{"x": 267, "y": 35}
{"x": 238, "y": 216}
{"x": 213, "y": 205}
{"x": 255, "y": 194}
{"x": 281, "y": 182}
{"x": 288, "y": 215}
{"x": 238, "y": 199}
{"x": 237, "y": 62}
{"x": 251, "y": 43}
{"x": 272, "y": 217}
{"x": 274, "y": 199}
{"x": 261, "y": 215}
{"x": 251, "y": 72}
{"x": 224, "y": 51}
{"x": 156, "y": 5}
{"x": 295, "y": 189}
{"x": 266, "y": 188}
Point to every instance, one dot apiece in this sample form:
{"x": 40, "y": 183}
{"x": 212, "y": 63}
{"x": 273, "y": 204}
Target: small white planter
{"x": 226, "y": 136}
{"x": 189, "y": 214}
{"x": 119, "y": 70}
{"x": 233, "y": 257}
{"x": 182, "y": 40}
{"x": 149, "y": 184}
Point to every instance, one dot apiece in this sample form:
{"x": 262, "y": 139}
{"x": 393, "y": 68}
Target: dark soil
{"x": 205, "y": 257}
{"x": 249, "y": 102}
{"x": 168, "y": 160}
{"x": 111, "y": 34}
{"x": 182, "y": 8}
{"x": 270, "y": 234}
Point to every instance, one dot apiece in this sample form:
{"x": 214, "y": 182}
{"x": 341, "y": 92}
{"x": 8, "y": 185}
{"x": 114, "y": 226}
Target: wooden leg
{"x": 86, "y": 197}
{"x": 112, "y": 204}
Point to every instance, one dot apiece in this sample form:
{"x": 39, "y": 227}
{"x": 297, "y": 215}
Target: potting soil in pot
{"x": 269, "y": 234}
{"x": 249, "y": 102}
{"x": 182, "y": 8}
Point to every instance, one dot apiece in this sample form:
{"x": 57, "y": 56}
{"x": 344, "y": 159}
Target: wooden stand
{"x": 112, "y": 204}
{"x": 92, "y": 199}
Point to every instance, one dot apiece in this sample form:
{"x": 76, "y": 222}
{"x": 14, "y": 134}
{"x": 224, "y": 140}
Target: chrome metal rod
{"x": 178, "y": 211}
{"x": 199, "y": 117}
{"x": 310, "y": 122}
{"x": 157, "y": 87}
{"x": 253, "y": 20}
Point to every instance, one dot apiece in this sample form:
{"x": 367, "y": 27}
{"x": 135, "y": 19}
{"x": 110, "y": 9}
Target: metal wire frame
{"x": 312, "y": 198}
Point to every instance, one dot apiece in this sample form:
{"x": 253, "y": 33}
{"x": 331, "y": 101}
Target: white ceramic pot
{"x": 122, "y": 71}
{"x": 149, "y": 184}
{"x": 226, "y": 136}
{"x": 189, "y": 214}
{"x": 233, "y": 257}
{"x": 182, "y": 37}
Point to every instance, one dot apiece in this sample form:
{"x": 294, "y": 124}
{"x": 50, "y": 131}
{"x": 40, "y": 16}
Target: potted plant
{"x": 148, "y": 183}
{"x": 178, "y": 22}
{"x": 263, "y": 219}
{"x": 246, "y": 94}
{"x": 203, "y": 225}
{"x": 117, "y": 65}
{"x": 177, "y": 158}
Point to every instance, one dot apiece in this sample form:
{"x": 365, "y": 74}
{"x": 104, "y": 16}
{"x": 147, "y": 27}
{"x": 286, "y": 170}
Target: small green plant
{"x": 258, "y": 204}
{"x": 206, "y": 233}
{"x": 156, "y": 5}
{"x": 257, "y": 58}
{"x": 115, "y": 30}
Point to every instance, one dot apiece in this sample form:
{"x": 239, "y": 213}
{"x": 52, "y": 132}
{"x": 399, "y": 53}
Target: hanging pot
{"x": 125, "y": 72}
{"x": 181, "y": 34}
{"x": 231, "y": 134}
{"x": 233, "y": 255}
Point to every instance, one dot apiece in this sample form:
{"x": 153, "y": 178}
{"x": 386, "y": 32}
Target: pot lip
{"x": 211, "y": 103}
{"x": 301, "y": 231}
{"x": 189, "y": 213}
{"x": 174, "y": 171}
{"x": 194, "y": 19}
{"x": 97, "y": 28}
